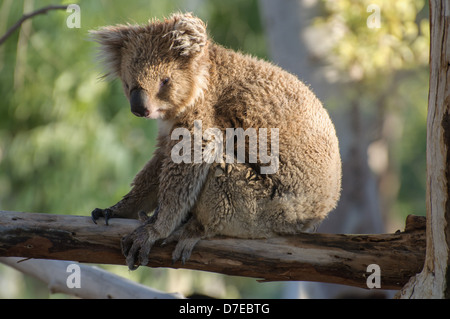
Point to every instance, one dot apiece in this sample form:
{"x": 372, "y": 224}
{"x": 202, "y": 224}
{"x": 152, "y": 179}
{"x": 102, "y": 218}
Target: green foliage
{"x": 236, "y": 24}
{"x": 364, "y": 50}
{"x": 68, "y": 141}
{"x": 410, "y": 154}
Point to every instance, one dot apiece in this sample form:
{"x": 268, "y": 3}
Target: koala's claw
{"x": 98, "y": 212}
{"x": 136, "y": 247}
{"x": 183, "y": 249}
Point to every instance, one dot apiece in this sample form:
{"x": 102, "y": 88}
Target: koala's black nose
{"x": 138, "y": 102}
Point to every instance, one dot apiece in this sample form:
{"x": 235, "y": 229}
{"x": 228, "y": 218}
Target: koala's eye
{"x": 164, "y": 81}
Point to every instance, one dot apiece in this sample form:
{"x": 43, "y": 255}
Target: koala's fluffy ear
{"x": 111, "y": 40}
{"x": 189, "y": 34}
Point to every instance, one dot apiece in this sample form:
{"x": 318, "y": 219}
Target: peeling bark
{"x": 433, "y": 281}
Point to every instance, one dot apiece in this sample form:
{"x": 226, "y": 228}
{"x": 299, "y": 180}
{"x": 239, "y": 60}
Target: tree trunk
{"x": 433, "y": 281}
{"x": 331, "y": 258}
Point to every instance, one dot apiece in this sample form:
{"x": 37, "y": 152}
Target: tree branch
{"x": 332, "y": 258}
{"x": 95, "y": 283}
{"x": 29, "y": 16}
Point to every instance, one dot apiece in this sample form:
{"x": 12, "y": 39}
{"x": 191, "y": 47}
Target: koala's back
{"x": 251, "y": 93}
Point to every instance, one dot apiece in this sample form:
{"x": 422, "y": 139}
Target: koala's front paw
{"x": 98, "y": 212}
{"x": 136, "y": 246}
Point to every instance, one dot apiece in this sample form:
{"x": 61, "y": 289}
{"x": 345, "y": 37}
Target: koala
{"x": 173, "y": 72}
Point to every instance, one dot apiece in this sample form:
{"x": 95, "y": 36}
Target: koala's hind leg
{"x": 187, "y": 237}
{"x": 239, "y": 202}
{"x": 230, "y": 202}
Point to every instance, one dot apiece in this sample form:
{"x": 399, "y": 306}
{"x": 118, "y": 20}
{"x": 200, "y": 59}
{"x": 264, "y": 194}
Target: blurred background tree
{"x": 383, "y": 64}
{"x": 68, "y": 142}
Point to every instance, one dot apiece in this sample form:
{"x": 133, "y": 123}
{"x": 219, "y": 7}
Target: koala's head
{"x": 159, "y": 63}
